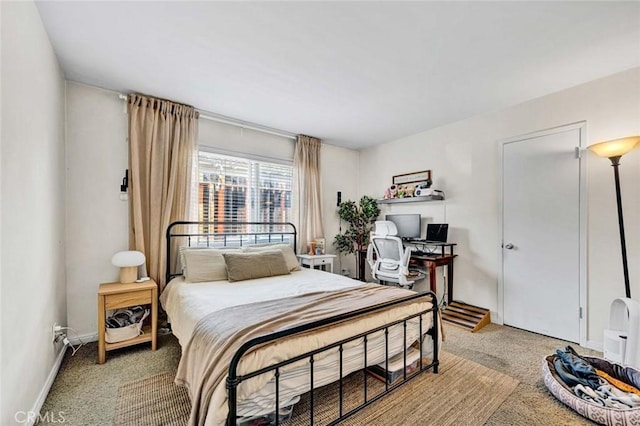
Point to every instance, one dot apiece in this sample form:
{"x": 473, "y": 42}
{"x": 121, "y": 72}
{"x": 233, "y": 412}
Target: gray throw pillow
{"x": 248, "y": 266}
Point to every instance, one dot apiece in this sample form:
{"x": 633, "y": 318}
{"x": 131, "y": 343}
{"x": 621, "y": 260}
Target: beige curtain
{"x": 306, "y": 164}
{"x": 162, "y": 147}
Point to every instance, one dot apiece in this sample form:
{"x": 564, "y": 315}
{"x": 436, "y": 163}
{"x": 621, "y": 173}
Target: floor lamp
{"x": 613, "y": 150}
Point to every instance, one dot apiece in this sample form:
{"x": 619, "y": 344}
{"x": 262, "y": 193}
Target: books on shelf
{"x": 395, "y": 369}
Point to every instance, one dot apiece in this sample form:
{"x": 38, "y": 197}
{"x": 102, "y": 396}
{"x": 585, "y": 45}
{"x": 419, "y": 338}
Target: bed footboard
{"x": 234, "y": 379}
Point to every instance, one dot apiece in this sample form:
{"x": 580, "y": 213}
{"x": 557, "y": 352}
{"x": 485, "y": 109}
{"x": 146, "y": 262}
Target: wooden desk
{"x": 432, "y": 262}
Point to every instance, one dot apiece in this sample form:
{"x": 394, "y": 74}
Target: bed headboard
{"x": 224, "y": 234}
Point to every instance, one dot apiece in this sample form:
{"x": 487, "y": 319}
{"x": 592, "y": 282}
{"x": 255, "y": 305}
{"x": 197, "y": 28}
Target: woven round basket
{"x": 594, "y": 412}
{"x": 120, "y": 334}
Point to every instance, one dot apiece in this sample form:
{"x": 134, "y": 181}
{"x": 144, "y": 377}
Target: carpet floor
{"x": 87, "y": 393}
{"x": 462, "y": 393}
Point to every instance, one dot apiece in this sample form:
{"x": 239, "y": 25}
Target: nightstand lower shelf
{"x": 146, "y": 337}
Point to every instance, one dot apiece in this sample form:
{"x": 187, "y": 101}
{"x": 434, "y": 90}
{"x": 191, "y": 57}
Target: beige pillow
{"x": 287, "y": 252}
{"x": 204, "y": 264}
{"x": 248, "y": 266}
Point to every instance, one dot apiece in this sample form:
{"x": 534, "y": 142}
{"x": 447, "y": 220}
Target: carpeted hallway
{"x": 86, "y": 392}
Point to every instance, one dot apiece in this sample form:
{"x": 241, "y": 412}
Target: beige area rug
{"x": 155, "y": 400}
{"x": 463, "y": 393}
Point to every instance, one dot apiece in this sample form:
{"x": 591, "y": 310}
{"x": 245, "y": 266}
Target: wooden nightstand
{"x": 322, "y": 260}
{"x": 118, "y": 295}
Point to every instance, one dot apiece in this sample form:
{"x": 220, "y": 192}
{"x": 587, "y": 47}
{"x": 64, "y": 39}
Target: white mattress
{"x": 187, "y": 303}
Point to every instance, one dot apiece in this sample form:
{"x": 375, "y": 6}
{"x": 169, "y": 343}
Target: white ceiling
{"x": 351, "y": 73}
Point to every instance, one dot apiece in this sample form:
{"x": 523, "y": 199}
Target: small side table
{"x": 119, "y": 295}
{"x": 322, "y": 260}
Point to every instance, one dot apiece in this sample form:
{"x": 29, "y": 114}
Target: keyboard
{"x": 425, "y": 253}
{"x": 429, "y": 242}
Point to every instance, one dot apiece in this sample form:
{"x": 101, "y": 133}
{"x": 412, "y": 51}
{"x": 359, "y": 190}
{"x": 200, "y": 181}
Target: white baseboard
{"x": 42, "y": 396}
{"x": 595, "y": 345}
{"x": 85, "y": 338}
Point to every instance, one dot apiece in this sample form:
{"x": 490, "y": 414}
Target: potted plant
{"x": 360, "y": 219}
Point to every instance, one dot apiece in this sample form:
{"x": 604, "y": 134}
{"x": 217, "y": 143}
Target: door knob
{"x": 508, "y": 246}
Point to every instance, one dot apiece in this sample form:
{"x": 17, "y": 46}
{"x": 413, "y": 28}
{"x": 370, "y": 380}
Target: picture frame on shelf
{"x": 421, "y": 176}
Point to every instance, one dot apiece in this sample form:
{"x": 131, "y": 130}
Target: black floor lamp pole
{"x": 613, "y": 150}
{"x": 615, "y": 162}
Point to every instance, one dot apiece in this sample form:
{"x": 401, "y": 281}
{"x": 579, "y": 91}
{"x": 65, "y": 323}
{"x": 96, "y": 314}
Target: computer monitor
{"x": 437, "y": 232}
{"x": 408, "y": 224}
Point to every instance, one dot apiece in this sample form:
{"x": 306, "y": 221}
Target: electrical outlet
{"x": 57, "y": 331}
{"x": 54, "y": 331}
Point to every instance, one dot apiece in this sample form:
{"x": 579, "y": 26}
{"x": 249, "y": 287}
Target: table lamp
{"x": 128, "y": 262}
{"x": 613, "y": 150}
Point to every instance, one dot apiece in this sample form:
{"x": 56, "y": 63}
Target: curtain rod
{"x": 234, "y": 122}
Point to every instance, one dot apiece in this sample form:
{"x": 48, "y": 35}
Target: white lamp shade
{"x": 125, "y": 259}
{"x": 616, "y": 147}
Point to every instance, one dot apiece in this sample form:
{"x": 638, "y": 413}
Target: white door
{"x": 541, "y": 234}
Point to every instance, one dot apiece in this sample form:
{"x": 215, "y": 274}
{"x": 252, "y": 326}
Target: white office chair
{"x": 392, "y": 259}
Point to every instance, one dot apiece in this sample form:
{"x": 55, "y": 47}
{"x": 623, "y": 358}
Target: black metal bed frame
{"x": 234, "y": 379}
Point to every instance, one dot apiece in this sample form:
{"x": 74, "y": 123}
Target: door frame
{"x": 582, "y": 197}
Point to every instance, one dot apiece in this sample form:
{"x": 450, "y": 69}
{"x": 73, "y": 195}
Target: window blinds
{"x": 233, "y": 189}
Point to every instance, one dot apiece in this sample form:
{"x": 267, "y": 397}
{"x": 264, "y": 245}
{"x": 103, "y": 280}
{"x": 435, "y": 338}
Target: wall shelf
{"x": 411, "y": 199}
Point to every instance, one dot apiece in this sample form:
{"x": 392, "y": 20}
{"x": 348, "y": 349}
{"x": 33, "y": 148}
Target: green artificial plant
{"x": 360, "y": 219}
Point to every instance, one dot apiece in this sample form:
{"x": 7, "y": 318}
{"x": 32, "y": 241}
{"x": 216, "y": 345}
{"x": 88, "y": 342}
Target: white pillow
{"x": 287, "y": 252}
{"x": 204, "y": 264}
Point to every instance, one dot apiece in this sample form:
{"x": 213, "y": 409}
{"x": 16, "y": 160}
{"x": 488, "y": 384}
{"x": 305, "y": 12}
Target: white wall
{"x": 1, "y": 180}
{"x": 33, "y": 197}
{"x": 97, "y": 220}
{"x": 463, "y": 157}
{"x": 339, "y": 173}
{"x": 96, "y": 160}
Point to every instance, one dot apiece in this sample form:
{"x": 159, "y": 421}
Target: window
{"x": 233, "y": 189}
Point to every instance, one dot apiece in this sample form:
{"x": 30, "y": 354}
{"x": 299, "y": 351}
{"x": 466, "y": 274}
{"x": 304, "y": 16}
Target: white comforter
{"x": 187, "y": 303}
